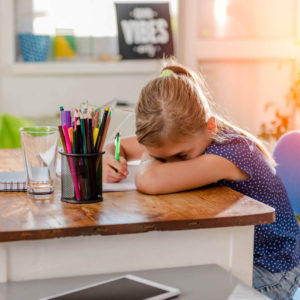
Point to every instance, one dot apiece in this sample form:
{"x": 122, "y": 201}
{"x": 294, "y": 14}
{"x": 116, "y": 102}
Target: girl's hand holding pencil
{"x": 113, "y": 170}
{"x": 114, "y": 164}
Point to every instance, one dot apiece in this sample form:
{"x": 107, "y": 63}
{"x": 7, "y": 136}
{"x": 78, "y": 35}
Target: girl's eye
{"x": 161, "y": 159}
{"x": 182, "y": 156}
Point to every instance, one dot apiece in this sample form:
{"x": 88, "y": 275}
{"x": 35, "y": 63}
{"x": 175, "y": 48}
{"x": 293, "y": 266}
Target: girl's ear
{"x": 211, "y": 124}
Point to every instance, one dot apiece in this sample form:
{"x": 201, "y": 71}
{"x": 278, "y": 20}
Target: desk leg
{"x": 241, "y": 245}
{"x": 3, "y": 263}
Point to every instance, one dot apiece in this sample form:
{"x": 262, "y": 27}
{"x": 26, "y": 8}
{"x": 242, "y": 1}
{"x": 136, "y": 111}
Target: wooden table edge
{"x": 250, "y": 220}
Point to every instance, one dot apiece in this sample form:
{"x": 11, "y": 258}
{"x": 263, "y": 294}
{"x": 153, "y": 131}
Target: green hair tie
{"x": 166, "y": 72}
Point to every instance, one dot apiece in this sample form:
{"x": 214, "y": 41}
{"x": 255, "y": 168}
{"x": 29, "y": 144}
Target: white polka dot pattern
{"x": 276, "y": 245}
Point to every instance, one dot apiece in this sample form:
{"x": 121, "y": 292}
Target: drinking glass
{"x": 40, "y": 145}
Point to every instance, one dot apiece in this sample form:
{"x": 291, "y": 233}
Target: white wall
{"x": 32, "y": 95}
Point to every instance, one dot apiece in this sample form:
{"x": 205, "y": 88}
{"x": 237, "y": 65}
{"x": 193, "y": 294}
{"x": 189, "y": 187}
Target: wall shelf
{"x": 126, "y": 67}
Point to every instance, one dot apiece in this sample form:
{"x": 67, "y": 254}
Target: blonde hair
{"x": 177, "y": 106}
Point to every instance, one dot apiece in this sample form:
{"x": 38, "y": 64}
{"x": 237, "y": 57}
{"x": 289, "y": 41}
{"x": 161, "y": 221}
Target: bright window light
{"x": 84, "y": 17}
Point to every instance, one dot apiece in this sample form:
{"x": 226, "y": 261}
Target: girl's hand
{"x": 114, "y": 171}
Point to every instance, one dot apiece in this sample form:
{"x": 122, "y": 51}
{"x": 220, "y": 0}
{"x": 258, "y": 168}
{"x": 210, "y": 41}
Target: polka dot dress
{"x": 276, "y": 245}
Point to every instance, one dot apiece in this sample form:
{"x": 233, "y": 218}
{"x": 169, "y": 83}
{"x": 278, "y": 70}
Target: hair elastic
{"x": 166, "y": 72}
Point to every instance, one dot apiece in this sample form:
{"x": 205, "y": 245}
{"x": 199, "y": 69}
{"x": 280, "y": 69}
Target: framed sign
{"x": 144, "y": 30}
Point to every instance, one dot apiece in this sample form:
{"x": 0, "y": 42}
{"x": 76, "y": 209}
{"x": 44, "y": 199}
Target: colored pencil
{"x": 101, "y": 129}
{"x": 78, "y": 138}
{"x": 83, "y": 135}
{"x": 62, "y": 137}
{"x": 87, "y": 134}
{"x": 92, "y": 115}
{"x": 103, "y": 137}
{"x": 91, "y": 141}
{"x": 73, "y": 171}
{"x": 75, "y": 119}
{"x": 70, "y": 131}
{"x": 74, "y": 145}
{"x": 117, "y": 147}
{"x": 96, "y": 131}
{"x": 98, "y": 117}
{"x": 105, "y": 131}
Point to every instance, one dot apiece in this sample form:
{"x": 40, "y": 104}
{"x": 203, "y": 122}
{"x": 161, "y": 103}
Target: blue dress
{"x": 276, "y": 245}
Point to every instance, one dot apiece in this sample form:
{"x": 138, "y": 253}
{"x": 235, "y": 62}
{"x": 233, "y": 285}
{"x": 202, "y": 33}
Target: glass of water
{"x": 40, "y": 145}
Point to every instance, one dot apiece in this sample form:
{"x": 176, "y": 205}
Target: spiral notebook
{"x": 12, "y": 181}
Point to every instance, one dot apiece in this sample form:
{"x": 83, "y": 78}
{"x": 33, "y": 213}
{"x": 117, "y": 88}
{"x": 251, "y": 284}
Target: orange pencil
{"x": 70, "y": 131}
{"x": 95, "y": 119}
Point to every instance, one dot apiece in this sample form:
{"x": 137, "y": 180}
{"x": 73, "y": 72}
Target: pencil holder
{"x": 81, "y": 177}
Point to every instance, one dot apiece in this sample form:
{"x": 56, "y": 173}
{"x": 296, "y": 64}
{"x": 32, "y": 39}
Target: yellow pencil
{"x": 95, "y": 134}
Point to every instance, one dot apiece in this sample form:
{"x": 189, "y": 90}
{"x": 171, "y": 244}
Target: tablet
{"x": 128, "y": 287}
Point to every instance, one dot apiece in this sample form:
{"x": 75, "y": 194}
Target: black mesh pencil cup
{"x": 81, "y": 177}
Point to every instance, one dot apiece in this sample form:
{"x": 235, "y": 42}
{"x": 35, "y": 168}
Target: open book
{"x": 126, "y": 184}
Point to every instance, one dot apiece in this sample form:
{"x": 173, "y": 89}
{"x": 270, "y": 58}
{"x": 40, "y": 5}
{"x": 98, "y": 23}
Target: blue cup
{"x": 34, "y": 48}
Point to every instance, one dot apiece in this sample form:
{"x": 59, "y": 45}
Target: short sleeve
{"x": 238, "y": 150}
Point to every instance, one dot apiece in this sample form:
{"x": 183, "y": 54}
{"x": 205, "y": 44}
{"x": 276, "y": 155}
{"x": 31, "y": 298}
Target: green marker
{"x": 117, "y": 147}
{"x": 82, "y": 127}
{"x": 74, "y": 141}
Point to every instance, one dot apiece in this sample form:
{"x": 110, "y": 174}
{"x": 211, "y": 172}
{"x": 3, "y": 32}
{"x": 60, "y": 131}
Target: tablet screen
{"x": 122, "y": 288}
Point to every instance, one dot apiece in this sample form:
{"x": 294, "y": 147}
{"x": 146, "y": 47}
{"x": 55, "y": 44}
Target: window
{"x": 91, "y": 22}
{"x": 85, "y": 17}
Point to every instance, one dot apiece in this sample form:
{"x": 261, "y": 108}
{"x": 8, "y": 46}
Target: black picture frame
{"x": 144, "y": 30}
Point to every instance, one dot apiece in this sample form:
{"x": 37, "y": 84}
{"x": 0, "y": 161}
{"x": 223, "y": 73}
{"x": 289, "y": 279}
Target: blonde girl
{"x": 184, "y": 145}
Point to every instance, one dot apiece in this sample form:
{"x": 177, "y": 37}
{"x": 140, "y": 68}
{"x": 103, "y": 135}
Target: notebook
{"x": 127, "y": 184}
{"x": 12, "y": 181}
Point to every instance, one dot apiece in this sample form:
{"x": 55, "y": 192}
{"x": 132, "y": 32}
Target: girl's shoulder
{"x": 235, "y": 147}
{"x": 240, "y": 150}
{"x": 231, "y": 138}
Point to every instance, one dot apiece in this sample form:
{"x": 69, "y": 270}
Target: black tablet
{"x": 128, "y": 287}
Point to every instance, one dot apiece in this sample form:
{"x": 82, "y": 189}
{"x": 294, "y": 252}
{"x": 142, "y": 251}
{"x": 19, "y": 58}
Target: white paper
{"x": 126, "y": 184}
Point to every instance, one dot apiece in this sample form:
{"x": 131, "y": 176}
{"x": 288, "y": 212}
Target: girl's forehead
{"x": 170, "y": 148}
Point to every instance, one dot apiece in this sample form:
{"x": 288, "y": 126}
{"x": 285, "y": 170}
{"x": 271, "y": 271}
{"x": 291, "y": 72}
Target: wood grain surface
{"x": 23, "y": 218}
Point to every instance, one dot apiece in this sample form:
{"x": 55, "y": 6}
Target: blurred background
{"x": 248, "y": 52}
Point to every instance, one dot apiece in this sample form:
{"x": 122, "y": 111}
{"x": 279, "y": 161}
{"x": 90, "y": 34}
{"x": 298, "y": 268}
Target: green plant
{"x": 283, "y": 121}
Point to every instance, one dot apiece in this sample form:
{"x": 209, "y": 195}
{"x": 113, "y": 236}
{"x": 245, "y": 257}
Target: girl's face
{"x": 188, "y": 148}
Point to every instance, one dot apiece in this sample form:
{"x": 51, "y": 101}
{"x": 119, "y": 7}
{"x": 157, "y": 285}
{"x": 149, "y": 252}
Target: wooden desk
{"x": 127, "y": 231}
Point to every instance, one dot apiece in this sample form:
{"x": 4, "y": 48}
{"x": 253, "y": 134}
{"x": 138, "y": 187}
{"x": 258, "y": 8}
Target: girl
{"x": 183, "y": 145}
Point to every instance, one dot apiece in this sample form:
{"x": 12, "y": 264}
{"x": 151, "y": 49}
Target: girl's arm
{"x": 114, "y": 171}
{"x": 155, "y": 177}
